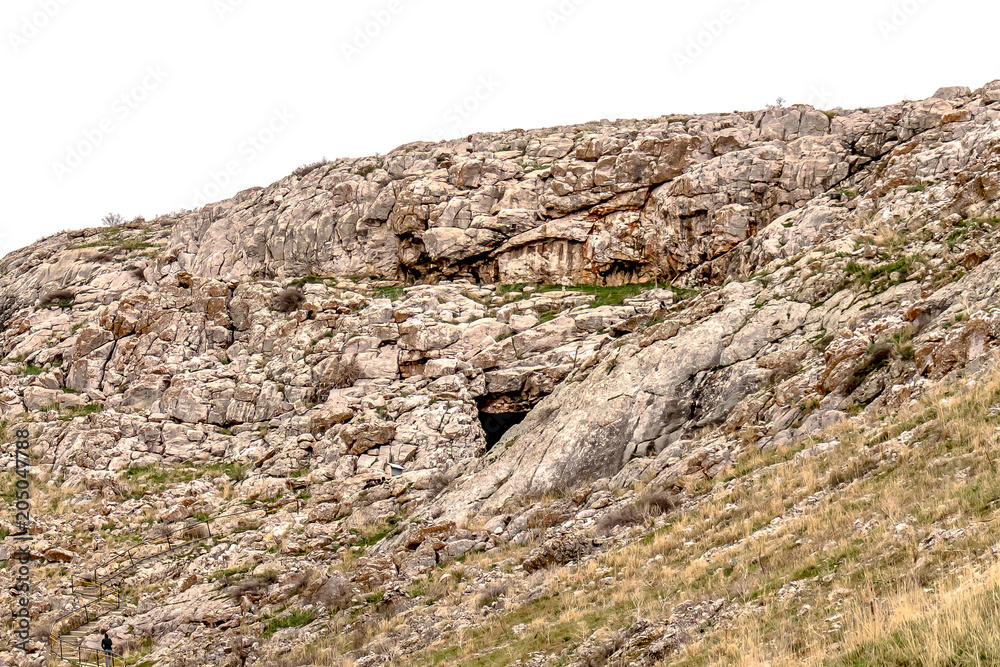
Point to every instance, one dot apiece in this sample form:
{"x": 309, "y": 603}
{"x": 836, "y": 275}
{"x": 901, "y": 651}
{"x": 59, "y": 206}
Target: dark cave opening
{"x": 495, "y": 424}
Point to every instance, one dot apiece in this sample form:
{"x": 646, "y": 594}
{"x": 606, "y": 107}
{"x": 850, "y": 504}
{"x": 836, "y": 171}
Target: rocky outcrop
{"x": 421, "y": 344}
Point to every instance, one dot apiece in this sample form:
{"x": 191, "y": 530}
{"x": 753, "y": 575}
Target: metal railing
{"x": 86, "y": 613}
{"x": 91, "y": 657}
{"x": 83, "y": 656}
{"x": 130, "y": 558}
{"x": 78, "y": 618}
{"x": 108, "y": 584}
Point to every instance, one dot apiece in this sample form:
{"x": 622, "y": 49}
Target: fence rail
{"x": 107, "y": 586}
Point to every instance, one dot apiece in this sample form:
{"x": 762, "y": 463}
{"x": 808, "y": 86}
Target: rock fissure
{"x": 826, "y": 267}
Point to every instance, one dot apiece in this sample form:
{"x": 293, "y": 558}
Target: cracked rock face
{"x": 598, "y": 203}
{"x": 654, "y": 298}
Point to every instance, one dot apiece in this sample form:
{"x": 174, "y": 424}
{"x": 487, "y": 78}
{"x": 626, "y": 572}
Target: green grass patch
{"x": 84, "y": 410}
{"x": 375, "y": 534}
{"x": 604, "y": 295}
{"x": 296, "y": 619}
{"x": 32, "y": 369}
{"x": 392, "y": 293}
{"x": 158, "y": 477}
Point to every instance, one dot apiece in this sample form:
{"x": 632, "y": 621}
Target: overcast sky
{"x": 144, "y": 107}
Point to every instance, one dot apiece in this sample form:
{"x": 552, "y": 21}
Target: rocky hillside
{"x": 693, "y": 390}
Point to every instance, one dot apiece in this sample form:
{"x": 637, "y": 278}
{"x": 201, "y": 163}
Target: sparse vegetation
{"x": 307, "y": 169}
{"x": 817, "y": 547}
{"x": 113, "y": 220}
{"x": 288, "y": 300}
{"x": 61, "y": 298}
{"x": 392, "y": 293}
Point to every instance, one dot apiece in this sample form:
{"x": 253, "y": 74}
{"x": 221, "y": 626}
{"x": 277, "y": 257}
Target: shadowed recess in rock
{"x": 497, "y": 424}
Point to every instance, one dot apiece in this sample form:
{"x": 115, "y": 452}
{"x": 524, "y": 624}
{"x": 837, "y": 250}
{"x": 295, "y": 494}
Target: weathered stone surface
{"x": 804, "y": 267}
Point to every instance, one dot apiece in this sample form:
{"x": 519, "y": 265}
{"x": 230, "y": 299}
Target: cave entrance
{"x": 495, "y": 424}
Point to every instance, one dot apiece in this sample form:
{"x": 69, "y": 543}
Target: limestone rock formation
{"x": 429, "y": 342}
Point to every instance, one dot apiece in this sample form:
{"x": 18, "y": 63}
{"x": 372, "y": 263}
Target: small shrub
{"x": 307, "y": 169}
{"x": 113, "y": 220}
{"x": 391, "y": 293}
{"x": 663, "y": 502}
{"x": 625, "y": 515}
{"x": 344, "y": 374}
{"x": 236, "y": 471}
{"x": 824, "y": 342}
{"x": 548, "y": 315}
{"x": 310, "y": 279}
{"x": 288, "y": 300}
{"x": 84, "y": 410}
{"x": 492, "y": 593}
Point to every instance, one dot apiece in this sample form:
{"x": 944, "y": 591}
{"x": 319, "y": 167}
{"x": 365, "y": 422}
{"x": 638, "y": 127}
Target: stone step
{"x": 87, "y": 588}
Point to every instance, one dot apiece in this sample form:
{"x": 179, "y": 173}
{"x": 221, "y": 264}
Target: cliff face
{"x": 598, "y": 203}
{"x": 574, "y": 310}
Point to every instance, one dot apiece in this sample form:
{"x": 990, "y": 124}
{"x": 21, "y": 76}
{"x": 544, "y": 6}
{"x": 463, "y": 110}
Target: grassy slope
{"x": 821, "y": 560}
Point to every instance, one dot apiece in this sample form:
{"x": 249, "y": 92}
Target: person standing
{"x": 106, "y": 647}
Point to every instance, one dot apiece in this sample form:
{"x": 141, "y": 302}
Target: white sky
{"x": 200, "y": 77}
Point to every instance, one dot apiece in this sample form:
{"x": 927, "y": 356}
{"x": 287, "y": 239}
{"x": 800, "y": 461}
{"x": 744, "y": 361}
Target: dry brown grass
{"x": 328, "y": 652}
{"x": 796, "y": 547}
{"x": 954, "y": 626}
